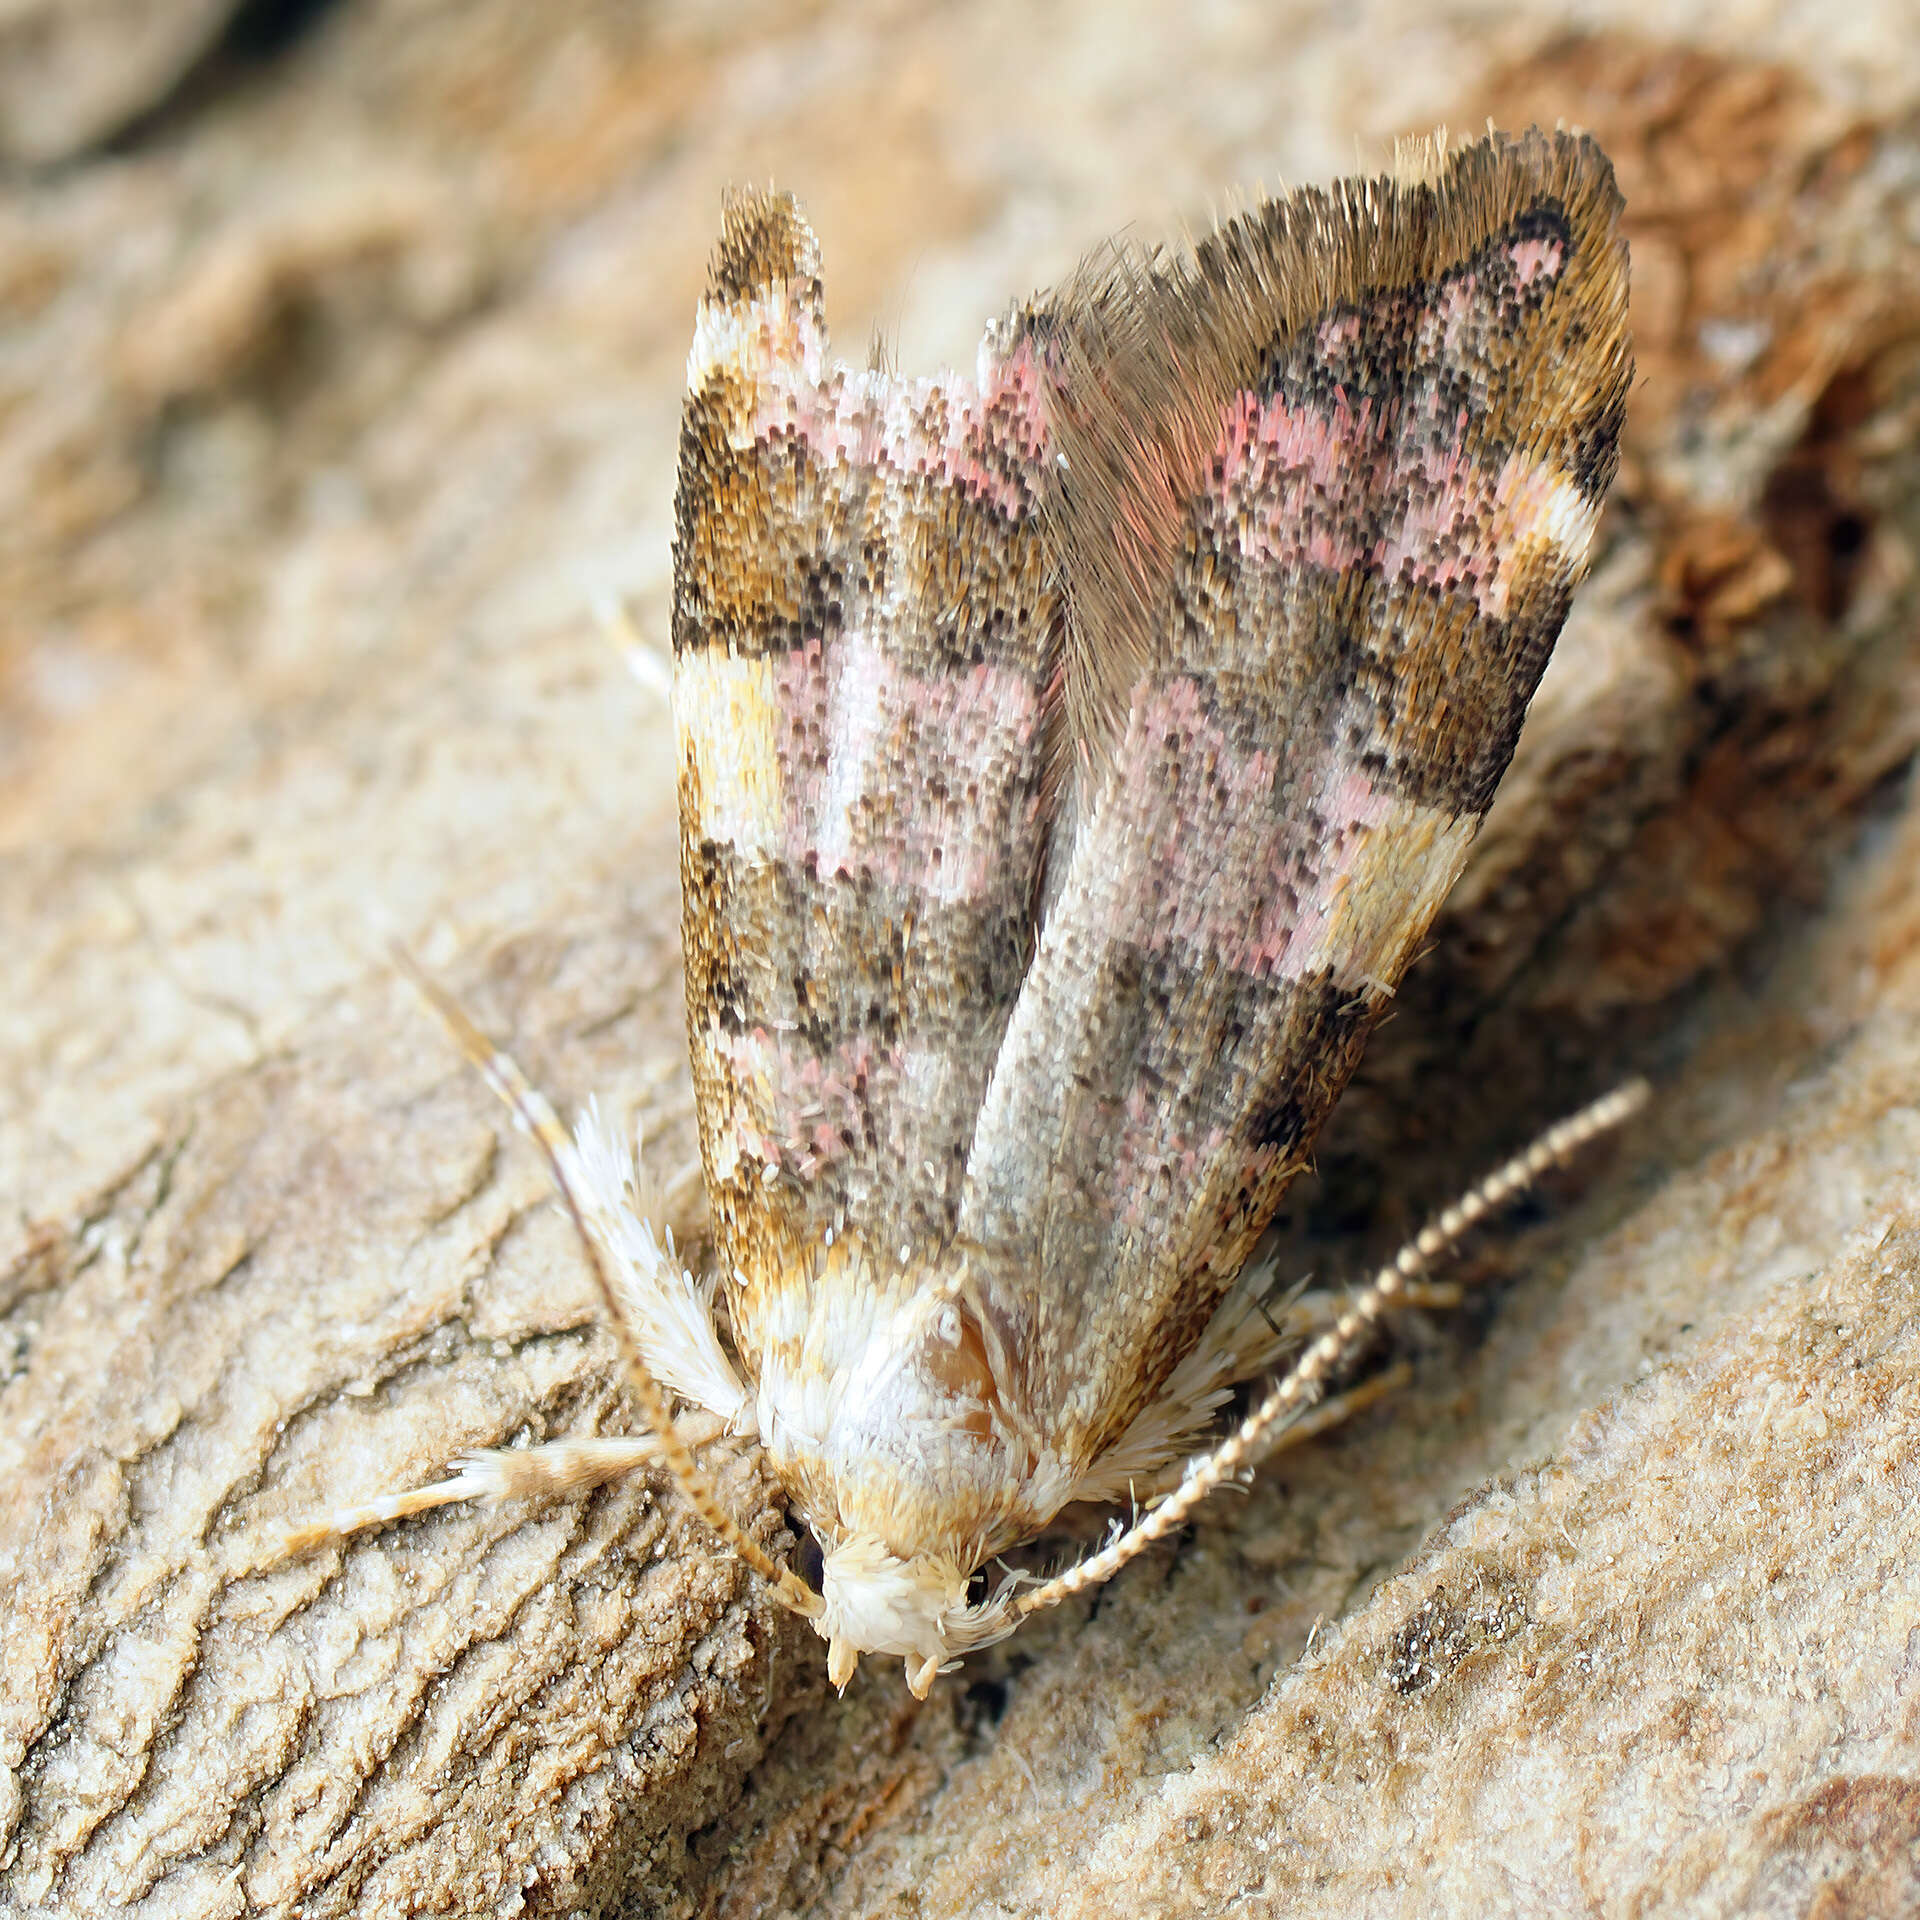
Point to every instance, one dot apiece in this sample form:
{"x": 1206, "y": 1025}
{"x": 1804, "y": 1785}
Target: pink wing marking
{"x": 859, "y": 799}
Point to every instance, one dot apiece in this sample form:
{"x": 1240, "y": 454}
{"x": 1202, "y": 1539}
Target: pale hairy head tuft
{"x": 875, "y": 1602}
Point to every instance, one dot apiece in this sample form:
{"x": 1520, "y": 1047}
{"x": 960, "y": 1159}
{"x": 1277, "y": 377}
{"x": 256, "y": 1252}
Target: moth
{"x": 1071, "y": 760}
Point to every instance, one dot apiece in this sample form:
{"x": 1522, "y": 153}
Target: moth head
{"x": 873, "y": 1601}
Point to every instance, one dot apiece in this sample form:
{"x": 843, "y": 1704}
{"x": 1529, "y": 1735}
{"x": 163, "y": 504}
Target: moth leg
{"x": 1334, "y": 1411}
{"x": 1251, "y": 1333}
{"x": 667, "y": 1441}
{"x": 1314, "y": 1312}
{"x": 571, "y": 1466}
{"x": 1305, "y": 1382}
{"x": 501, "y": 1473}
{"x": 1245, "y": 1338}
{"x": 1147, "y": 1478}
{"x": 1261, "y": 1335}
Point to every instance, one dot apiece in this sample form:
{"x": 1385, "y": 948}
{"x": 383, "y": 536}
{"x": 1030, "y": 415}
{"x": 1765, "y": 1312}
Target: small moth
{"x": 1071, "y": 760}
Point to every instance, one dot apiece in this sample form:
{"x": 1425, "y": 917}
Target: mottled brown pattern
{"x": 1386, "y": 705}
{"x": 1426, "y": 694}
{"x": 1394, "y": 304}
{"x": 786, "y": 544}
{"x": 764, "y": 242}
{"x": 1199, "y": 1097}
{"x": 787, "y": 555}
{"x": 1485, "y": 352}
{"x": 1298, "y": 521}
{"x": 812, "y": 966}
{"x": 769, "y": 549}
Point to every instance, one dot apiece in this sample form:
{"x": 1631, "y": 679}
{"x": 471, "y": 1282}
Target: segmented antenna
{"x": 1306, "y": 1381}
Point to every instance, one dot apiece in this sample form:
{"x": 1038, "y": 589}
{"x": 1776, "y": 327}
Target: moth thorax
{"x": 877, "y": 1602}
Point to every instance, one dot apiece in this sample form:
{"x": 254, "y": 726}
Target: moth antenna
{"x": 1337, "y": 1410}
{"x": 640, "y": 652}
{"x": 535, "y": 1117}
{"x": 1308, "y": 1377}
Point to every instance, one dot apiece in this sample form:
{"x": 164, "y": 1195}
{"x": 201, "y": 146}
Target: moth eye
{"x": 947, "y": 1326}
{"x": 809, "y": 1556}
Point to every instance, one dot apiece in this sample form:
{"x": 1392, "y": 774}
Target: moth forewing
{"x": 1071, "y": 760}
{"x": 1220, "y": 596}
